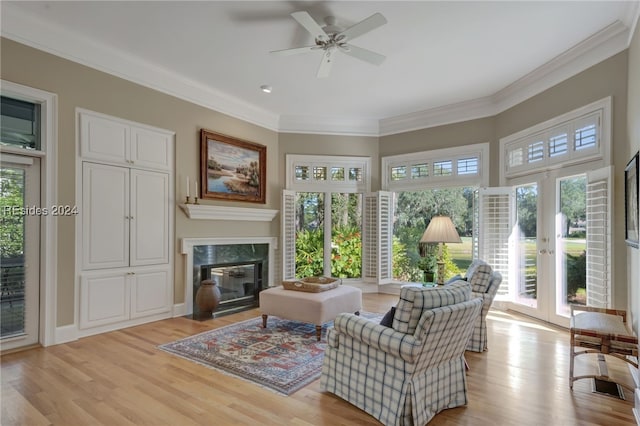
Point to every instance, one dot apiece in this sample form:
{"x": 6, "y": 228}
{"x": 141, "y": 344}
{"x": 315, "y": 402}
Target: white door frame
{"x": 49, "y": 197}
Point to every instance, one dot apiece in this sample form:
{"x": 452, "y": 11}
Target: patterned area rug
{"x": 284, "y": 357}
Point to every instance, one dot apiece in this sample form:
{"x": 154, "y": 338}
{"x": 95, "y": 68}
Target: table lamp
{"x": 440, "y": 230}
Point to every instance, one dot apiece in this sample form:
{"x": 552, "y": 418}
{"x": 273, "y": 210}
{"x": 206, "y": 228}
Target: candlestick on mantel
{"x": 196, "y": 182}
{"x": 187, "y": 202}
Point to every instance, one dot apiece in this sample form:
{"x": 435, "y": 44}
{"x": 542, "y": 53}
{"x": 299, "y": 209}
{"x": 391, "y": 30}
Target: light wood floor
{"x": 120, "y": 378}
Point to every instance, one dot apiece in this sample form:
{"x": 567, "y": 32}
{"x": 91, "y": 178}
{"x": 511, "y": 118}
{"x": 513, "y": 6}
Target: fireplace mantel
{"x": 209, "y": 212}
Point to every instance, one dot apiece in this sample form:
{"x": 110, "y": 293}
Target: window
{"x": 398, "y": 173}
{"x": 337, "y": 173}
{"x": 442, "y": 168}
{"x": 558, "y": 145}
{"x": 468, "y": 166}
{"x": 323, "y": 216}
{"x": 459, "y": 166}
{"x": 438, "y": 182}
{"x": 20, "y": 123}
{"x": 302, "y": 173}
{"x": 585, "y": 137}
{"x": 569, "y": 139}
{"x": 413, "y": 211}
{"x": 419, "y": 171}
{"x": 535, "y": 152}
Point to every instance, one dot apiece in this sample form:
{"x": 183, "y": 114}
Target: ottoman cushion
{"x": 314, "y": 308}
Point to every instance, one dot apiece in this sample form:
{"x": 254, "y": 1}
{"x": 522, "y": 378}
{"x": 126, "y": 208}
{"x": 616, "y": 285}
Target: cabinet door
{"x": 150, "y": 293}
{"x": 105, "y": 216}
{"x": 151, "y": 149}
{"x": 104, "y": 298}
{"x": 149, "y": 218}
{"x": 103, "y": 139}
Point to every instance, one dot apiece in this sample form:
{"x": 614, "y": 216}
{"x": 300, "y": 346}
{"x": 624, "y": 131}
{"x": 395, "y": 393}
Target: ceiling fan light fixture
{"x": 266, "y": 88}
{"x": 332, "y": 37}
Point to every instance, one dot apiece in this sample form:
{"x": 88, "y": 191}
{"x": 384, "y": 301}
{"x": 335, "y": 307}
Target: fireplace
{"x": 239, "y": 284}
{"x": 241, "y": 268}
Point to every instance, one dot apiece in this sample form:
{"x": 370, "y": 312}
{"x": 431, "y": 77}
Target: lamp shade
{"x": 440, "y": 230}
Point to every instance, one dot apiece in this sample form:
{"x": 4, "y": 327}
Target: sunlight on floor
{"x": 506, "y": 317}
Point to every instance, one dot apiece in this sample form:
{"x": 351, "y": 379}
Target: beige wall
{"x": 632, "y": 146}
{"x": 80, "y": 86}
{"x": 608, "y": 78}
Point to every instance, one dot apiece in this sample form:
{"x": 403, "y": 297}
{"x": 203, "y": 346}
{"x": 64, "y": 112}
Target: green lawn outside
{"x": 461, "y": 254}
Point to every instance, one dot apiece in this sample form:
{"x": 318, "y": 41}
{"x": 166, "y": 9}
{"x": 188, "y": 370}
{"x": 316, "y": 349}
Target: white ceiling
{"x": 446, "y": 61}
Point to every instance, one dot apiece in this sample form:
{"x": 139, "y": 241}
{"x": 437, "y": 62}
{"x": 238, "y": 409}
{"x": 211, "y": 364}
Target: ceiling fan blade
{"x": 371, "y": 23}
{"x": 295, "y": 50}
{"x": 325, "y": 65}
{"x": 310, "y": 25}
{"x": 364, "y": 54}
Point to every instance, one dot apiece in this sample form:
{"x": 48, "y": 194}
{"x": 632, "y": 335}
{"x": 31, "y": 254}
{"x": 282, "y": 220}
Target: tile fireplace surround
{"x": 190, "y": 245}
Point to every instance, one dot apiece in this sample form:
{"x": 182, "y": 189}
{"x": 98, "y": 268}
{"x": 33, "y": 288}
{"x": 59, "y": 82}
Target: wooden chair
{"x": 601, "y": 331}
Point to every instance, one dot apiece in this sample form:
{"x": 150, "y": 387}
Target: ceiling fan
{"x": 331, "y": 39}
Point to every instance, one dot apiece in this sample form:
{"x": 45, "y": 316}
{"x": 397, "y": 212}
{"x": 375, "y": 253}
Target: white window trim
{"x": 293, "y": 160}
{"x": 49, "y": 197}
{"x": 603, "y": 155}
{"x": 326, "y": 186}
{"x": 480, "y": 150}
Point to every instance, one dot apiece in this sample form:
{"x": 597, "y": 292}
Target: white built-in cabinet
{"x": 126, "y": 216}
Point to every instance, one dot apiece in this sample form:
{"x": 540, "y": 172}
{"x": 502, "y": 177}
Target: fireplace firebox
{"x": 239, "y": 283}
{"x": 240, "y": 272}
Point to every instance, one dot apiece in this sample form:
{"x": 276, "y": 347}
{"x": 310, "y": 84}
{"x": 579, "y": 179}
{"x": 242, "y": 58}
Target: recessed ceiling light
{"x": 266, "y": 88}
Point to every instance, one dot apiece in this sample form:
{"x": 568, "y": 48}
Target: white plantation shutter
{"x": 496, "y": 216}
{"x": 475, "y": 227}
{"x": 377, "y": 235}
{"x": 599, "y": 238}
{"x": 288, "y": 248}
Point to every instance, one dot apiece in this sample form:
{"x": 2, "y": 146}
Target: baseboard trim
{"x": 179, "y": 310}
{"x": 65, "y": 334}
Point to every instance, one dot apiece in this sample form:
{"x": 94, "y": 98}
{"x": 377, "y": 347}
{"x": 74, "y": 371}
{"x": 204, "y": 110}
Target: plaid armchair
{"x": 407, "y": 373}
{"x": 484, "y": 284}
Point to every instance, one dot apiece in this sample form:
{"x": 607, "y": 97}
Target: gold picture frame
{"x": 232, "y": 168}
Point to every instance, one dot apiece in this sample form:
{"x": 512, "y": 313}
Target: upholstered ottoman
{"x": 314, "y": 308}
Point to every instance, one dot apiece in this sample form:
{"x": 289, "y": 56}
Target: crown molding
{"x": 42, "y": 35}
{"x": 329, "y": 125}
{"x": 453, "y": 113}
{"x": 609, "y": 41}
{"x": 37, "y": 33}
{"x": 633, "y": 16}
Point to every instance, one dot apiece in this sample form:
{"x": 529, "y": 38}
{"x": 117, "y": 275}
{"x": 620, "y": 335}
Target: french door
{"x": 552, "y": 261}
{"x": 19, "y": 250}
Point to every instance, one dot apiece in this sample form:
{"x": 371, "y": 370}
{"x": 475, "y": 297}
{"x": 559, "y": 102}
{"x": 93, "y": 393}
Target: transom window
{"x": 314, "y": 173}
{"x": 566, "y": 140}
{"x": 20, "y": 123}
{"x": 460, "y": 166}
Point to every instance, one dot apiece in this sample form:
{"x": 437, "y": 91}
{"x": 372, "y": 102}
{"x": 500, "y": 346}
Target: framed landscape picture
{"x": 232, "y": 169}
{"x": 631, "y": 202}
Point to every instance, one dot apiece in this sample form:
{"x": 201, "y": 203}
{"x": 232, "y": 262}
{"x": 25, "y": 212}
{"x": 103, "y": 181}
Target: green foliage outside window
{"x": 11, "y": 225}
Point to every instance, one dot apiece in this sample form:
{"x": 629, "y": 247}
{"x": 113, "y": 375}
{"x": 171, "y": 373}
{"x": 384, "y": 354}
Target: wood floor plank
{"x": 122, "y": 378}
